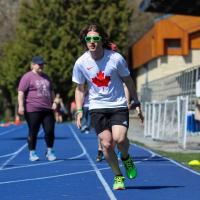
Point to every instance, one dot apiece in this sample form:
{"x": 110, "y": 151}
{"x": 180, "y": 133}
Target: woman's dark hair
{"x": 94, "y": 27}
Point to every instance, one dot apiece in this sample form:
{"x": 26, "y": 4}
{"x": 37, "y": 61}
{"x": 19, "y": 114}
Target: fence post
{"x": 153, "y": 121}
{"x": 185, "y": 128}
{"x": 178, "y": 115}
{"x": 164, "y": 118}
{"x": 146, "y": 119}
{"x": 149, "y": 120}
{"x": 159, "y": 120}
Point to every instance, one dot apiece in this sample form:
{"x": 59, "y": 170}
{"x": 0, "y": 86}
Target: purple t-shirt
{"x": 37, "y": 90}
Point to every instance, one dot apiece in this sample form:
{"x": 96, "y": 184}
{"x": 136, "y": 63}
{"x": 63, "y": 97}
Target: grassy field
{"x": 182, "y": 158}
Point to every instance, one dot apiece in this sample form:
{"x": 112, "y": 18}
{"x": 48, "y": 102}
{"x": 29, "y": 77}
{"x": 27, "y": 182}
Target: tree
{"x": 51, "y": 29}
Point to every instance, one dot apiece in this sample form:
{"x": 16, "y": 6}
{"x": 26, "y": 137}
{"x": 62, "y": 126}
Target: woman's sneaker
{"x": 51, "y": 155}
{"x": 130, "y": 168}
{"x": 33, "y": 156}
{"x": 118, "y": 183}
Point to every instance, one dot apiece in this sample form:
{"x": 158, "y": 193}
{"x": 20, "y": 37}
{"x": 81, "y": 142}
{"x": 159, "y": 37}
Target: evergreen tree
{"x": 51, "y": 29}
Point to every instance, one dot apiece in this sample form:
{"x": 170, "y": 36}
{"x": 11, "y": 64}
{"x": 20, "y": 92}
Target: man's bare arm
{"x": 79, "y": 98}
{"x": 133, "y": 95}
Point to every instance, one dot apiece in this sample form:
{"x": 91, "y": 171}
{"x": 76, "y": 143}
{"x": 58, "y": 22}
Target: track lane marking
{"x": 6, "y": 155}
{"x": 170, "y": 160}
{"x": 44, "y": 163}
{"x": 17, "y": 152}
{"x": 97, "y": 171}
{"x": 11, "y": 130}
{"x": 51, "y": 177}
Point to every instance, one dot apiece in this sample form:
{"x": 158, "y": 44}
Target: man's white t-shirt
{"x": 103, "y": 78}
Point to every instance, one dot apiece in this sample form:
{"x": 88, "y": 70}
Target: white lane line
{"x": 19, "y": 150}
{"x": 32, "y": 165}
{"x": 11, "y": 130}
{"x": 12, "y": 157}
{"x": 75, "y": 157}
{"x": 45, "y": 163}
{"x": 16, "y": 153}
{"x": 184, "y": 167}
{"x": 57, "y": 161}
{"x": 62, "y": 175}
{"x": 172, "y": 161}
{"x": 100, "y": 176}
{"x": 51, "y": 177}
{"x": 6, "y": 155}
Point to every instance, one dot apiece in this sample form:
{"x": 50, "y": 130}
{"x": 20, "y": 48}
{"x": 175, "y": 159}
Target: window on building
{"x": 173, "y": 43}
{"x": 172, "y": 47}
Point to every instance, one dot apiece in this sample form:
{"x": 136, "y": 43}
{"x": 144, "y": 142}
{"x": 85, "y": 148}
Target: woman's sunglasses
{"x": 93, "y": 38}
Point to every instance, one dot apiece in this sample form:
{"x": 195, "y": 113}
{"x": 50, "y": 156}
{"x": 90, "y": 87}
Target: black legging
{"x": 34, "y": 120}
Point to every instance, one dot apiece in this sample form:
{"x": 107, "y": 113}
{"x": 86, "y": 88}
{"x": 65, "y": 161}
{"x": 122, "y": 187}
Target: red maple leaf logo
{"x": 101, "y": 80}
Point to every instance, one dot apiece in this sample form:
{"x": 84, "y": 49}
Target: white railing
{"x": 167, "y": 120}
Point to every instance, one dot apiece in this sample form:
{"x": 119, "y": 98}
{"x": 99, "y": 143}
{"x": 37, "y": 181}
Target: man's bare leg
{"x": 108, "y": 150}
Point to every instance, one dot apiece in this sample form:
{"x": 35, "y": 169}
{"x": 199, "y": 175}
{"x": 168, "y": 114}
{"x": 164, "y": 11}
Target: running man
{"x": 104, "y": 71}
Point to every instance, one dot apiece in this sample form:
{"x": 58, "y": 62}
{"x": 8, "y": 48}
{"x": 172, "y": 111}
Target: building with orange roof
{"x": 172, "y": 45}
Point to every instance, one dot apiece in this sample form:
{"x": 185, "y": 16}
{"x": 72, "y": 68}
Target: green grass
{"x": 182, "y": 158}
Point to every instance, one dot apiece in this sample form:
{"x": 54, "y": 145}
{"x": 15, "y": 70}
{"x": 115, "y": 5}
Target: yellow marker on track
{"x": 194, "y": 163}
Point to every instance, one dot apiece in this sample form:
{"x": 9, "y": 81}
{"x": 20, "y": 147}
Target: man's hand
{"x": 79, "y": 117}
{"x": 140, "y": 115}
{"x": 129, "y": 105}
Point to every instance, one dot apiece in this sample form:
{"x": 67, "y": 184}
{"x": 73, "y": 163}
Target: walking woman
{"x": 35, "y": 100}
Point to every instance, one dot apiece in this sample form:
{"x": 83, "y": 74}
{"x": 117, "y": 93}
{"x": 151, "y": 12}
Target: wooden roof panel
{"x": 187, "y": 23}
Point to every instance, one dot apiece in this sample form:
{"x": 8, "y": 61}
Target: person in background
{"x": 113, "y": 46}
{"x": 60, "y": 108}
{"x": 85, "y": 122}
{"x": 99, "y": 156}
{"x": 73, "y": 109}
{"x": 104, "y": 71}
{"x": 35, "y": 100}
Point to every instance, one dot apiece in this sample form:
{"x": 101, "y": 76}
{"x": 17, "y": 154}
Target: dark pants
{"x": 34, "y": 120}
{"x": 85, "y": 123}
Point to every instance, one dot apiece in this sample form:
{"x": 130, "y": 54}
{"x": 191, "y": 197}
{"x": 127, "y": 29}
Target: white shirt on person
{"x": 103, "y": 78}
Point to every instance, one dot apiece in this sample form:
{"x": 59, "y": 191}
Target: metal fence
{"x": 178, "y": 84}
{"x": 168, "y": 104}
{"x": 167, "y": 120}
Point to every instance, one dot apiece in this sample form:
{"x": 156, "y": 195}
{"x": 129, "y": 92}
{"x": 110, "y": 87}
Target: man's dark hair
{"x": 94, "y": 27}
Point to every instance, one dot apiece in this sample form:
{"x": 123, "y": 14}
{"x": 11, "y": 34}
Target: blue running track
{"x": 76, "y": 176}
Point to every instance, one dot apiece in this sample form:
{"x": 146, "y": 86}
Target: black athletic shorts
{"x": 102, "y": 119}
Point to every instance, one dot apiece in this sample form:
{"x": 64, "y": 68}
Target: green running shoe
{"x": 118, "y": 183}
{"x": 130, "y": 168}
